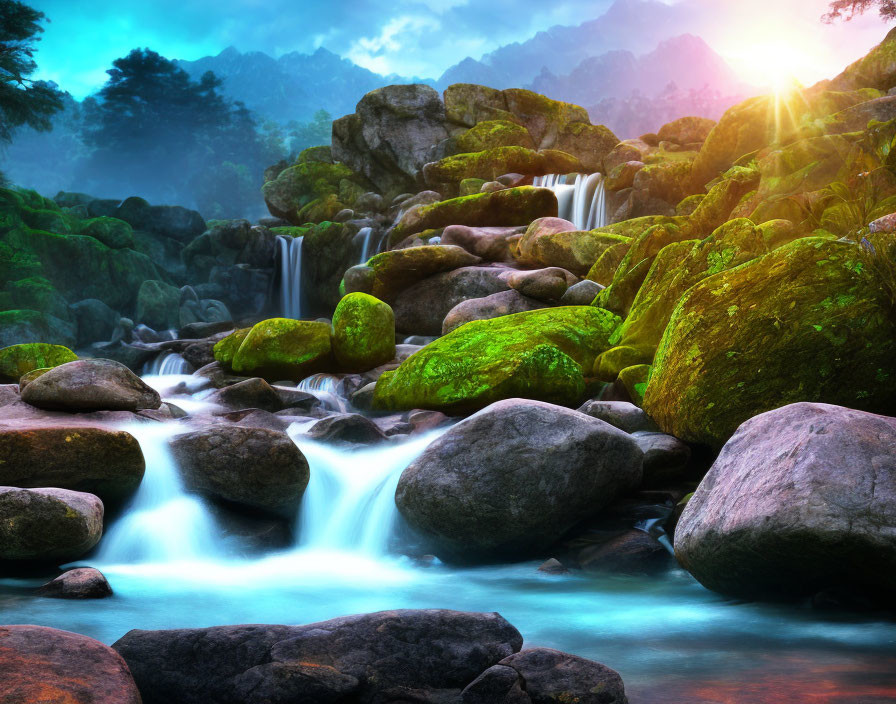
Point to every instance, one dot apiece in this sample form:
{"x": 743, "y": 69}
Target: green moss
{"x": 281, "y": 348}
{"x": 538, "y": 354}
{"x": 798, "y": 324}
{"x": 635, "y": 380}
{"x": 18, "y": 360}
{"x": 609, "y": 364}
{"x": 689, "y": 204}
{"x": 111, "y": 232}
{"x": 225, "y": 350}
{"x": 471, "y": 186}
{"x": 577, "y": 252}
{"x": 396, "y": 269}
{"x": 363, "y": 333}
{"x": 491, "y": 134}
{"x": 491, "y": 163}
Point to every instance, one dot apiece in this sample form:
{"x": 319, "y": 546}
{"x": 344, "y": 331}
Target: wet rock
{"x": 542, "y": 284}
{"x": 79, "y": 583}
{"x": 623, "y": 415}
{"x": 488, "y": 307}
{"x": 91, "y": 385}
{"x": 41, "y": 664}
{"x": 347, "y": 427}
{"x": 253, "y": 467}
{"x": 632, "y": 552}
{"x": 251, "y": 393}
{"x": 362, "y": 399}
{"x": 665, "y": 457}
{"x": 296, "y": 399}
{"x": 391, "y": 656}
{"x": 9, "y": 393}
{"x": 487, "y": 489}
{"x": 363, "y": 332}
{"x": 424, "y": 421}
{"x": 800, "y": 499}
{"x": 48, "y": 524}
{"x": 545, "y": 676}
{"x": 490, "y": 243}
{"x": 553, "y": 566}
{"x": 36, "y": 453}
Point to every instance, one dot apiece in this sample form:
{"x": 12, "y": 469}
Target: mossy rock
{"x": 877, "y": 69}
{"x": 471, "y": 186}
{"x": 635, "y": 379}
{"x": 47, "y": 220}
{"x": 717, "y": 207}
{"x": 17, "y": 360}
{"x": 689, "y": 204}
{"x": 320, "y": 210}
{"x": 29, "y": 326}
{"x": 511, "y": 207}
{"x": 112, "y": 232}
{"x": 36, "y": 293}
{"x": 491, "y": 163}
{"x": 26, "y": 379}
{"x": 608, "y": 365}
{"x": 686, "y": 130}
{"x": 225, "y": 350}
{"x": 281, "y": 348}
{"x": 305, "y": 183}
{"x": 538, "y": 354}
{"x": 588, "y": 143}
{"x": 158, "y": 305}
{"x": 577, "y": 252}
{"x": 363, "y": 333}
{"x": 492, "y": 134}
{"x": 395, "y": 270}
{"x": 803, "y": 323}
{"x": 546, "y": 119}
{"x": 605, "y": 267}
{"x": 668, "y": 181}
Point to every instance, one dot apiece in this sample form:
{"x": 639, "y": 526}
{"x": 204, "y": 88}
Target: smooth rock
{"x": 488, "y": 307}
{"x": 542, "y": 284}
{"x": 347, "y": 427}
{"x": 79, "y": 583}
{"x": 621, "y": 414}
{"x": 251, "y": 393}
{"x": 581, "y": 294}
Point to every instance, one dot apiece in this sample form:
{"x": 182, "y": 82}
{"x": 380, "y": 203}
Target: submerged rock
{"x": 801, "y": 499}
{"x": 43, "y": 664}
{"x": 79, "y": 583}
{"x": 48, "y": 524}
{"x": 250, "y": 466}
{"x": 390, "y": 656}
{"x": 512, "y": 479}
{"x": 91, "y": 385}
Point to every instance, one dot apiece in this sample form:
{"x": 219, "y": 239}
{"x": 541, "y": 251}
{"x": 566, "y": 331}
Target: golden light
{"x": 772, "y": 65}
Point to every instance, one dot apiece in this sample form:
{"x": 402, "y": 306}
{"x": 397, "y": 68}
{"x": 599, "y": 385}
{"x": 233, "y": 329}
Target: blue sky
{"x": 414, "y": 37}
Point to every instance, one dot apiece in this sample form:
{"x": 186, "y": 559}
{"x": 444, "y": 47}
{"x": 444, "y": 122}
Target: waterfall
{"x": 163, "y": 523}
{"x": 328, "y": 388}
{"x": 166, "y": 363}
{"x": 290, "y": 276}
{"x": 349, "y": 504}
{"x": 365, "y": 234}
{"x": 584, "y": 202}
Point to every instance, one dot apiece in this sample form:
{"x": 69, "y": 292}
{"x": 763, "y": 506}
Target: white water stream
{"x": 291, "y": 299}
{"x": 583, "y": 202}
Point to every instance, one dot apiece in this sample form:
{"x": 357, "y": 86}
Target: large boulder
{"x": 490, "y": 243}
{"x": 253, "y": 467}
{"x": 801, "y": 499}
{"x": 158, "y": 305}
{"x": 280, "y": 348}
{"x": 545, "y": 676}
{"x": 422, "y": 308}
{"x": 540, "y": 354}
{"x": 511, "y": 480}
{"x": 389, "y": 656}
{"x": 803, "y": 323}
{"x": 396, "y": 270}
{"x": 389, "y": 136}
{"x": 17, "y": 360}
{"x": 494, "y": 306}
{"x": 91, "y": 385}
{"x": 363, "y": 333}
{"x": 104, "y": 462}
{"x": 79, "y": 583}
{"x": 39, "y": 664}
{"x": 510, "y": 207}
{"x": 48, "y": 524}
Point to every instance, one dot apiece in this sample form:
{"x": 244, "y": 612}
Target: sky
{"x": 762, "y": 39}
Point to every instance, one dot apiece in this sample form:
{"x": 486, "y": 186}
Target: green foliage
{"x": 317, "y": 132}
{"x": 23, "y": 101}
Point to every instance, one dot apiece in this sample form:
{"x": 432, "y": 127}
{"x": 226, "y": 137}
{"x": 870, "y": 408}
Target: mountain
{"x": 632, "y": 25}
{"x": 293, "y": 87}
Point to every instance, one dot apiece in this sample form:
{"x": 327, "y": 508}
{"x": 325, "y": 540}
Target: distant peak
{"x": 229, "y": 52}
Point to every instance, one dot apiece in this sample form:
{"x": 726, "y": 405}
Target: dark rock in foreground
{"x": 40, "y": 664}
{"x": 509, "y": 481}
{"x": 391, "y": 656}
{"x": 801, "y": 499}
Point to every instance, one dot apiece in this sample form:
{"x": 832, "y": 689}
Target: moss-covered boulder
{"x": 112, "y": 232}
{"x": 492, "y": 134}
{"x": 510, "y": 207}
{"x": 803, "y": 323}
{"x": 577, "y": 252}
{"x": 686, "y": 130}
{"x": 21, "y": 326}
{"x": 158, "y": 305}
{"x": 877, "y": 69}
{"x": 281, "y": 348}
{"x": 609, "y": 364}
{"x": 363, "y": 333}
{"x": 18, "y": 360}
{"x": 225, "y": 350}
{"x": 588, "y": 143}
{"x": 307, "y": 181}
{"x": 491, "y": 163}
{"x": 395, "y": 270}
{"x": 538, "y": 354}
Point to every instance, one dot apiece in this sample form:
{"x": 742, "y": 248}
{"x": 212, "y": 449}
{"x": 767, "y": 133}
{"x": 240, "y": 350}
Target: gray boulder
{"x": 511, "y": 480}
{"x": 254, "y": 467}
{"x": 800, "y": 499}
{"x": 391, "y": 656}
{"x": 545, "y": 676}
{"x": 488, "y": 307}
{"x": 251, "y": 393}
{"x": 347, "y": 427}
{"x": 79, "y": 583}
{"x": 581, "y": 294}
{"x": 91, "y": 385}
{"x": 48, "y": 524}
{"x": 620, "y": 414}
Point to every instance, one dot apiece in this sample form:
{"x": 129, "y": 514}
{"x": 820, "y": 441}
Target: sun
{"x": 775, "y": 66}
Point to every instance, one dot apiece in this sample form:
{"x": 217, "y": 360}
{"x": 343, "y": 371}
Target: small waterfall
{"x": 166, "y": 363}
{"x": 163, "y": 522}
{"x": 365, "y": 234}
{"x": 584, "y": 202}
{"x": 349, "y": 504}
{"x": 290, "y": 276}
{"x": 328, "y": 388}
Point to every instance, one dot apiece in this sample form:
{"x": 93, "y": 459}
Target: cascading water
{"x": 365, "y": 234}
{"x": 584, "y": 202}
{"x": 163, "y": 523}
{"x": 165, "y": 364}
{"x": 327, "y": 388}
{"x": 290, "y": 276}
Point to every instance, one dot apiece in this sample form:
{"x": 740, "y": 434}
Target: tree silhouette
{"x": 23, "y": 101}
{"x": 847, "y": 9}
